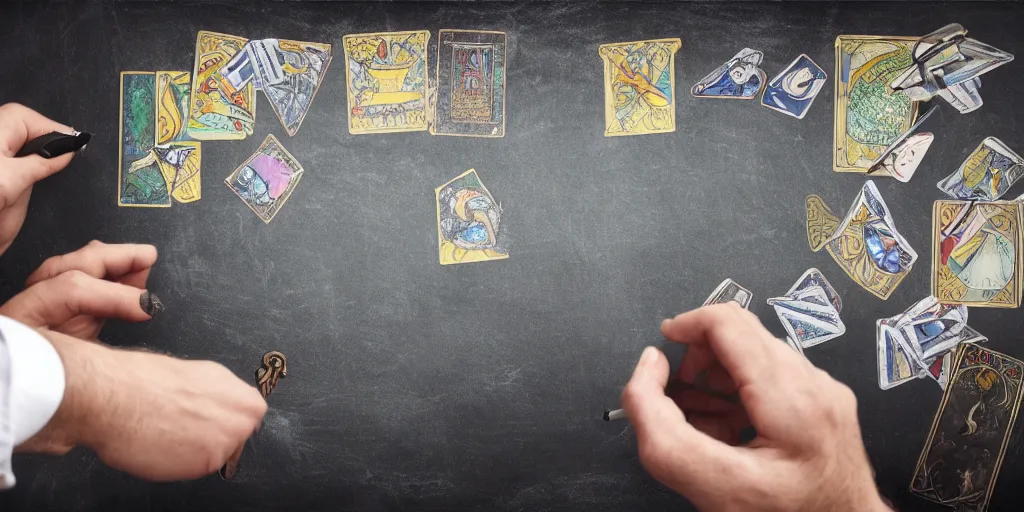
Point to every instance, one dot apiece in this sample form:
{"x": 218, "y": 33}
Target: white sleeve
{"x": 31, "y": 389}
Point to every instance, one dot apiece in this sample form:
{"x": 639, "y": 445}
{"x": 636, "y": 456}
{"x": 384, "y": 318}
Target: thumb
{"x": 672, "y": 450}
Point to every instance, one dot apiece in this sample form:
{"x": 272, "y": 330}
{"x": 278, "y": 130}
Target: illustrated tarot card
{"x": 139, "y": 184}
{"x": 895, "y": 364}
{"x": 639, "y": 87}
{"x": 172, "y": 106}
{"x": 740, "y": 78}
{"x": 469, "y": 226}
{"x": 960, "y": 462}
{"x": 179, "y": 165}
{"x": 218, "y": 110}
{"x": 986, "y": 174}
{"x": 901, "y": 159}
{"x": 809, "y": 316}
{"x": 976, "y": 253}
{"x": 267, "y": 179}
{"x": 865, "y": 244}
{"x": 387, "y": 81}
{"x": 793, "y": 91}
{"x": 727, "y": 291}
{"x": 869, "y": 115}
{"x": 305, "y": 65}
{"x": 814, "y": 277}
{"x": 470, "y": 83}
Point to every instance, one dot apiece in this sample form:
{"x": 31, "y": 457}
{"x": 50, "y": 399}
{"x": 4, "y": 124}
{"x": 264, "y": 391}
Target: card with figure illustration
{"x": 386, "y": 77}
{"x": 639, "y": 87}
{"x": 470, "y": 83}
{"x": 960, "y": 462}
{"x": 305, "y": 65}
{"x": 469, "y": 224}
{"x": 986, "y": 175}
{"x": 976, "y": 253}
{"x": 869, "y": 115}
{"x": 172, "y": 106}
{"x": 793, "y": 91}
{"x": 739, "y": 78}
{"x": 865, "y": 243}
{"x": 219, "y": 111}
{"x": 140, "y": 182}
{"x": 267, "y": 179}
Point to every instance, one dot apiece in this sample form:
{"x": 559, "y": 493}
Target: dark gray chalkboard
{"x": 414, "y": 386}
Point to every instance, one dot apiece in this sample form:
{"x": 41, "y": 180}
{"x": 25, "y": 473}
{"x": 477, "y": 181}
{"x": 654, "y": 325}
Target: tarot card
{"x": 469, "y": 227}
{"x": 179, "y": 164}
{"x": 172, "y": 106}
{"x": 865, "y": 244}
{"x": 387, "y": 81}
{"x": 793, "y": 345}
{"x": 305, "y": 65}
{"x": 986, "y": 174}
{"x": 960, "y": 462}
{"x": 727, "y": 291}
{"x": 976, "y": 253}
{"x": 218, "y": 110}
{"x": 639, "y": 87}
{"x": 741, "y": 78}
{"x": 808, "y": 316}
{"x": 901, "y": 159}
{"x": 470, "y": 83}
{"x": 895, "y": 365}
{"x": 793, "y": 91}
{"x": 949, "y": 64}
{"x": 139, "y": 185}
{"x": 814, "y": 277}
{"x": 869, "y": 116}
{"x": 267, "y": 179}
{"x": 939, "y": 369}
{"x": 821, "y": 222}
{"x": 929, "y": 329}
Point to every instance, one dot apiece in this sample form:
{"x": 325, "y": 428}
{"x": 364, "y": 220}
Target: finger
{"x": 20, "y": 124}
{"x": 21, "y": 173}
{"x": 136, "y": 279}
{"x": 736, "y": 338}
{"x": 55, "y": 301}
{"x": 100, "y": 260}
{"x": 662, "y": 431}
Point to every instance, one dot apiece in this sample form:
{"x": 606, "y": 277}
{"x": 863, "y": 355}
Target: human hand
{"x": 74, "y": 293}
{"x": 151, "y": 415}
{"x": 18, "y": 125}
{"x": 808, "y": 453}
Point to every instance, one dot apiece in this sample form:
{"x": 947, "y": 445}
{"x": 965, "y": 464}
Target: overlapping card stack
{"x": 920, "y": 342}
{"x": 810, "y": 311}
{"x": 865, "y": 244}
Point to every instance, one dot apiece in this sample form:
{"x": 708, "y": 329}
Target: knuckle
{"x": 73, "y": 279}
{"x": 11, "y": 107}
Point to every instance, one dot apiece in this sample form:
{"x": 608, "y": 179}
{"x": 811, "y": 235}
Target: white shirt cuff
{"x": 31, "y": 388}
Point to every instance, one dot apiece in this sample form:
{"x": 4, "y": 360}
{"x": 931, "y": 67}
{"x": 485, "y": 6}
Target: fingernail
{"x": 150, "y": 303}
{"x": 649, "y": 356}
{"x": 664, "y": 323}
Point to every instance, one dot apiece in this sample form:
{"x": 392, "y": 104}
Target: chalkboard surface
{"x": 413, "y": 386}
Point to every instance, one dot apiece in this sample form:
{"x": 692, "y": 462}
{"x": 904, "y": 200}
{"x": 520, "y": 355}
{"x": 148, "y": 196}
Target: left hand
{"x": 73, "y": 294}
{"x": 18, "y": 125}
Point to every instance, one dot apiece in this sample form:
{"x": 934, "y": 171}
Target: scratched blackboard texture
{"x": 414, "y": 386}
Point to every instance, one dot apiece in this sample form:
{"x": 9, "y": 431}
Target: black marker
{"x": 55, "y": 144}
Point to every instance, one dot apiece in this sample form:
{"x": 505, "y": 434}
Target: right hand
{"x": 18, "y": 125}
{"x": 153, "y": 416}
{"x": 808, "y": 453}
